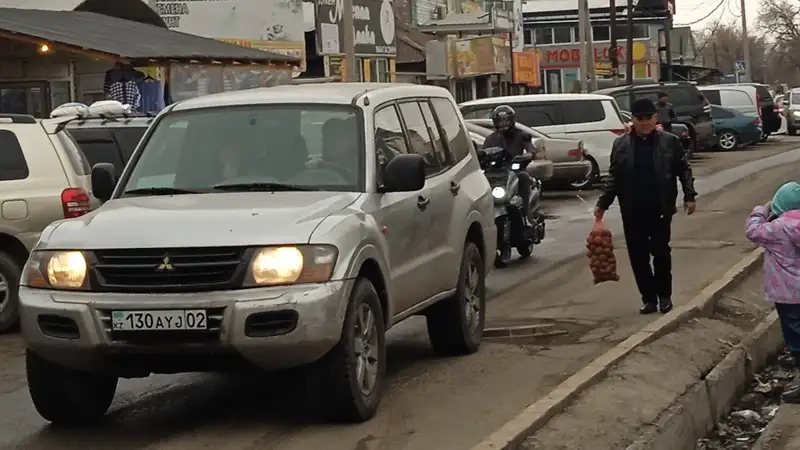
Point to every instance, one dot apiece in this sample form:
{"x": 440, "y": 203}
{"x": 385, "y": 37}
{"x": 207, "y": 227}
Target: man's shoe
{"x": 648, "y": 308}
{"x": 664, "y": 305}
{"x": 791, "y": 394}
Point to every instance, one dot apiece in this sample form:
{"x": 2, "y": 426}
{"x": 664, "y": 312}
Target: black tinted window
{"x": 583, "y": 111}
{"x": 766, "y": 97}
{"x": 454, "y": 133}
{"x": 477, "y": 113}
{"x": 683, "y": 95}
{"x": 436, "y": 135}
{"x": 713, "y": 96}
{"x": 418, "y": 137}
{"x": 720, "y": 113}
{"x": 12, "y": 161}
{"x": 536, "y": 114}
{"x": 127, "y": 139}
{"x": 99, "y": 147}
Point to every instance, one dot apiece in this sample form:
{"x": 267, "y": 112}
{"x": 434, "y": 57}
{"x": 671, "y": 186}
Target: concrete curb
{"x": 535, "y": 416}
{"x": 696, "y": 412}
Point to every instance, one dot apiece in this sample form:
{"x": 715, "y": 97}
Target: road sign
{"x": 740, "y": 66}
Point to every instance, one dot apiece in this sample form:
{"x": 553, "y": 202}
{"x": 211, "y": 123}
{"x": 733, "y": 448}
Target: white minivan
{"x": 742, "y": 98}
{"x": 591, "y": 118}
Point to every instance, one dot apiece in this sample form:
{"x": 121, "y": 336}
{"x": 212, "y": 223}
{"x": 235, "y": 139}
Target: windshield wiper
{"x": 159, "y": 191}
{"x": 268, "y": 187}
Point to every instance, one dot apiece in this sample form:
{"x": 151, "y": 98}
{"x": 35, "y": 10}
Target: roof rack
{"x": 17, "y": 118}
{"x": 105, "y": 110}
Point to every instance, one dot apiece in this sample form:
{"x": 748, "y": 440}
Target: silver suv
{"x": 273, "y": 228}
{"x": 43, "y": 177}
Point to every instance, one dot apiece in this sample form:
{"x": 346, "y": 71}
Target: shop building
{"x": 51, "y": 57}
{"x": 551, "y": 31}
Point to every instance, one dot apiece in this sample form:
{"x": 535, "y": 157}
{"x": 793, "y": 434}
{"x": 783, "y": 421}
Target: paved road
{"x": 430, "y": 403}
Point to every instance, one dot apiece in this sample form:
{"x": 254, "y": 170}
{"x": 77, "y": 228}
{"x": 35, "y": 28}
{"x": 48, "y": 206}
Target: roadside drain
{"x": 751, "y": 414}
{"x": 538, "y": 331}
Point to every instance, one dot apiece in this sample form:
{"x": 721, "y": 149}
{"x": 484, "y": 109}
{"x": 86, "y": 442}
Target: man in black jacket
{"x": 642, "y": 176}
{"x": 666, "y": 113}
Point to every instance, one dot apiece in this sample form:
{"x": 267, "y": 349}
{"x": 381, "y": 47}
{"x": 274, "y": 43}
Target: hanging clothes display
{"x": 122, "y": 84}
{"x": 152, "y": 96}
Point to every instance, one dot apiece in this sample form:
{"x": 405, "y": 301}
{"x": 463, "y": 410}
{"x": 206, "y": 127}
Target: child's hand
{"x": 768, "y": 205}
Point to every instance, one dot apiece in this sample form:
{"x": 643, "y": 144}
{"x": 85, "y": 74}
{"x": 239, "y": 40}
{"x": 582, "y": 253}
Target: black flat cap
{"x": 643, "y": 107}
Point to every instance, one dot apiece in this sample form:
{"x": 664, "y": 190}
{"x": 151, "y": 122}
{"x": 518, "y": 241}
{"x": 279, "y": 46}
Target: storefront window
{"x": 379, "y": 70}
{"x": 543, "y": 35}
{"x": 562, "y": 35}
{"x": 528, "y": 34}
{"x": 640, "y": 70}
{"x": 571, "y": 83}
{"x": 553, "y": 77}
{"x": 601, "y": 33}
{"x": 640, "y": 31}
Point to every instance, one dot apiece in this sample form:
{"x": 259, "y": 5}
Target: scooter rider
{"x": 515, "y": 142}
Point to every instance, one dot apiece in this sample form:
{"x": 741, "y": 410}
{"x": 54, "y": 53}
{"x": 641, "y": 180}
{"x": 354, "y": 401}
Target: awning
{"x": 411, "y": 43}
{"x": 134, "y": 42}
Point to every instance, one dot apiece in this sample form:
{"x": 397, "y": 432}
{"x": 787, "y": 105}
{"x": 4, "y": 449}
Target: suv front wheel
{"x": 65, "y": 396}
{"x": 353, "y": 372}
{"x": 455, "y": 325}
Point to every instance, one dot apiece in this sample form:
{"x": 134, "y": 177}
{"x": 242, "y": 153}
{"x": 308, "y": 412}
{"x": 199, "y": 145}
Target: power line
{"x": 716, "y": 8}
{"x": 730, "y": 10}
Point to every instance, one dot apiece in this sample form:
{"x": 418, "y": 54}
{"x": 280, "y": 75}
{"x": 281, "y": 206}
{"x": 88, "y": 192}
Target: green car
{"x": 734, "y": 128}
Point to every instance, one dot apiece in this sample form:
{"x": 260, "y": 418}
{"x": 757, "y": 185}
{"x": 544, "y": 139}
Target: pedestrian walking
{"x": 776, "y": 227}
{"x": 666, "y": 113}
{"x": 645, "y": 164}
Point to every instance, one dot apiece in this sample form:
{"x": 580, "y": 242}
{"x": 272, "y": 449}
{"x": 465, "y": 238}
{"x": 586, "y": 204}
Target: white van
{"x": 591, "y": 118}
{"x": 742, "y": 98}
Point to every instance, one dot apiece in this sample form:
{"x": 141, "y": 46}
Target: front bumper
{"x": 318, "y": 310}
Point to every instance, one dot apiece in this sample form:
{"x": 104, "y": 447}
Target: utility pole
{"x": 613, "y": 53}
{"x": 582, "y": 16}
{"x": 350, "y": 66}
{"x": 590, "y": 48}
{"x": 629, "y": 47}
{"x": 748, "y": 70}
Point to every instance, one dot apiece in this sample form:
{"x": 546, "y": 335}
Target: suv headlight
{"x": 272, "y": 266}
{"x": 62, "y": 269}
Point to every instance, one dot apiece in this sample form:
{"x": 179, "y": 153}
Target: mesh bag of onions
{"x": 600, "y": 251}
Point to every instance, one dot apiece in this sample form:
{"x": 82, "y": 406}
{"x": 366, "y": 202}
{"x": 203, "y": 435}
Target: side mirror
{"x": 404, "y": 173}
{"x": 104, "y": 179}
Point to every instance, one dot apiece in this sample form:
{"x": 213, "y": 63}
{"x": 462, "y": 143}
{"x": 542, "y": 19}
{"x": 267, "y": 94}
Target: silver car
{"x": 272, "y": 228}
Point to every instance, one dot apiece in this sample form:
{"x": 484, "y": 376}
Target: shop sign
{"x": 572, "y": 55}
{"x": 373, "y": 22}
{"x": 526, "y": 68}
{"x": 278, "y": 28}
{"x": 481, "y": 55}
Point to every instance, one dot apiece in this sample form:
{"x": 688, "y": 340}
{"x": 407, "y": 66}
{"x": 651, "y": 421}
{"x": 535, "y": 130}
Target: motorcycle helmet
{"x": 504, "y": 118}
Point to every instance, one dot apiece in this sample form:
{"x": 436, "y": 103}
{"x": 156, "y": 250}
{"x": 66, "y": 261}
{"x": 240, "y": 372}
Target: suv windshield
{"x": 263, "y": 147}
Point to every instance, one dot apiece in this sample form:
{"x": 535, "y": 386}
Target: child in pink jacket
{"x": 776, "y": 227}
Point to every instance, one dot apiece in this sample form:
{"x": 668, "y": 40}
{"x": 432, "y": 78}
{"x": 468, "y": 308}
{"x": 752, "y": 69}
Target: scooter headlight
{"x": 515, "y": 166}
{"x": 498, "y": 192}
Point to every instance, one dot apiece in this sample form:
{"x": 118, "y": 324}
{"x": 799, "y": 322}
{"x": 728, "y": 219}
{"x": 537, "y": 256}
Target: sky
{"x": 692, "y": 10}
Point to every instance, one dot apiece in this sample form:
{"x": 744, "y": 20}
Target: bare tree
{"x": 779, "y": 21}
{"x": 721, "y": 45}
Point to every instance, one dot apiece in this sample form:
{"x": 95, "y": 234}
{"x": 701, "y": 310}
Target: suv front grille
{"x": 168, "y": 270}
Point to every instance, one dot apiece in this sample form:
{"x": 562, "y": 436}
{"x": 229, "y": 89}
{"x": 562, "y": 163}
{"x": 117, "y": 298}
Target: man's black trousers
{"x": 647, "y": 236}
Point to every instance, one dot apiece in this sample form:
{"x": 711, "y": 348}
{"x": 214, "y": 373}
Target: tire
{"x": 525, "y": 251}
{"x": 9, "y": 292}
{"x": 791, "y": 131}
{"x": 344, "y": 399}
{"x": 728, "y": 140}
{"x": 764, "y": 137}
{"x": 502, "y": 258}
{"x": 65, "y": 396}
{"x": 455, "y": 325}
{"x": 591, "y": 179}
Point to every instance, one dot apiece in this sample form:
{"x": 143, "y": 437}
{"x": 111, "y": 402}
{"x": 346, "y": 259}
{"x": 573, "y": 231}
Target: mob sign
{"x": 569, "y": 56}
{"x": 373, "y": 22}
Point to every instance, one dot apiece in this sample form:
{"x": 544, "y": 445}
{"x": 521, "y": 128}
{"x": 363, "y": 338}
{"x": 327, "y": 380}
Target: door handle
{"x": 454, "y": 187}
{"x": 422, "y": 202}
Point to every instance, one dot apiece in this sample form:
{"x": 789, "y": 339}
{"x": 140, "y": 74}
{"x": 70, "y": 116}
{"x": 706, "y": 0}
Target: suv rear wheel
{"x": 353, "y": 372}
{"x": 9, "y": 292}
{"x": 455, "y": 325}
{"x": 65, "y": 396}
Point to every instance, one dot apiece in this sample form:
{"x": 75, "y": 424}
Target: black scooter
{"x": 512, "y": 231}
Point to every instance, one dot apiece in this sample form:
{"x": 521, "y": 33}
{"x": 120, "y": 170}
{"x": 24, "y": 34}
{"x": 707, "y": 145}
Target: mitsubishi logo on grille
{"x": 165, "y": 266}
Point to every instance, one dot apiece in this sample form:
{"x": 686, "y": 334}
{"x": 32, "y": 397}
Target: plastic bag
{"x": 600, "y": 251}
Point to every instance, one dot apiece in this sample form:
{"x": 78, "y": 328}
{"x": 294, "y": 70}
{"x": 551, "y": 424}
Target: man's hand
{"x": 599, "y": 213}
{"x": 314, "y": 161}
{"x": 689, "y": 208}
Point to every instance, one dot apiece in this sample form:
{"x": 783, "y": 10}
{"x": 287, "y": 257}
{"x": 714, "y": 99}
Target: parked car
{"x": 690, "y": 106}
{"x": 734, "y": 128}
{"x": 43, "y": 177}
{"x": 740, "y": 97}
{"x": 770, "y": 118}
{"x": 593, "y": 119}
{"x": 678, "y": 129}
{"x": 540, "y": 168}
{"x": 570, "y": 165}
{"x": 106, "y": 131}
{"x": 791, "y": 108}
{"x": 209, "y": 253}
